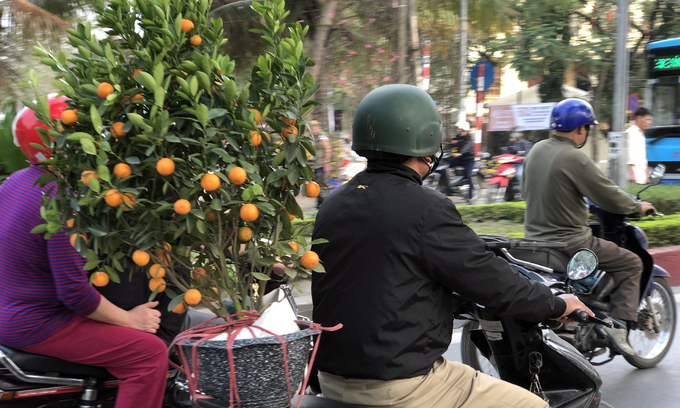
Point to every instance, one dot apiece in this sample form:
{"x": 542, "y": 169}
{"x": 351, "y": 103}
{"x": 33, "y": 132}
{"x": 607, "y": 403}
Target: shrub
{"x": 665, "y": 197}
{"x": 661, "y": 231}
{"x": 493, "y": 212}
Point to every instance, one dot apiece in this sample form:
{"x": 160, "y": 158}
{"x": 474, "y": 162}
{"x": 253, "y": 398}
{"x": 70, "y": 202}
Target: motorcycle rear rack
{"x": 38, "y": 379}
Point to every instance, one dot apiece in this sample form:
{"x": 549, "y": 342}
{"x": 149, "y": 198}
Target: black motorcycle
{"x": 651, "y": 336}
{"x": 451, "y": 181}
{"x": 531, "y": 355}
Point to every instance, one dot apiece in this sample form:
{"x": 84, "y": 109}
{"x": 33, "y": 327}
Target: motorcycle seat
{"x": 552, "y": 258}
{"x": 308, "y": 401}
{"x": 38, "y": 363}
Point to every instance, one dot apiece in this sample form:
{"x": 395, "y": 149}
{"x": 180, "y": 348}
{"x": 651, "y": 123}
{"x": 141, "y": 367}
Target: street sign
{"x": 633, "y": 102}
{"x": 488, "y": 75}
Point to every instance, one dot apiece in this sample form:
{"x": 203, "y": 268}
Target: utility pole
{"x": 618, "y": 167}
{"x": 462, "y": 85}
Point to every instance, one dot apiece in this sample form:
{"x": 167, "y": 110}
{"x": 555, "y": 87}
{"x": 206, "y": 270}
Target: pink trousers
{"x": 138, "y": 359}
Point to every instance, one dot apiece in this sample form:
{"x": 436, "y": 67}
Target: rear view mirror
{"x": 582, "y": 264}
{"x": 657, "y": 174}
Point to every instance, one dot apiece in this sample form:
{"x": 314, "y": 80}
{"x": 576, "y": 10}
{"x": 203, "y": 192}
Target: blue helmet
{"x": 572, "y": 113}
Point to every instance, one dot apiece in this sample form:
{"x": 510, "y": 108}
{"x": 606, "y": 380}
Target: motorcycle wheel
{"x": 495, "y": 194}
{"x": 652, "y": 345}
{"x": 471, "y": 355}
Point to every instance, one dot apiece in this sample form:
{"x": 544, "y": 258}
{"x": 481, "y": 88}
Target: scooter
{"x": 451, "y": 181}
{"x": 651, "y": 336}
{"x": 531, "y": 355}
{"x": 504, "y": 186}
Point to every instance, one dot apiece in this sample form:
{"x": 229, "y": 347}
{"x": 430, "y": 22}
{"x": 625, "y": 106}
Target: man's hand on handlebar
{"x": 573, "y": 303}
{"x": 647, "y": 209}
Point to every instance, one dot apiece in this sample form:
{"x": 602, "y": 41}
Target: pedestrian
{"x": 322, "y": 159}
{"x": 637, "y": 149}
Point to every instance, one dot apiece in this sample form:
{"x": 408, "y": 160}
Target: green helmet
{"x": 400, "y": 119}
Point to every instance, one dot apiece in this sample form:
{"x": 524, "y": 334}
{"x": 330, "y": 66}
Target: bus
{"x": 662, "y": 95}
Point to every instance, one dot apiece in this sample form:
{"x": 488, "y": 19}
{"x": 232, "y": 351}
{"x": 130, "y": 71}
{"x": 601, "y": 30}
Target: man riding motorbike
{"x": 465, "y": 155}
{"x": 557, "y": 177}
{"x": 49, "y": 307}
{"x": 396, "y": 253}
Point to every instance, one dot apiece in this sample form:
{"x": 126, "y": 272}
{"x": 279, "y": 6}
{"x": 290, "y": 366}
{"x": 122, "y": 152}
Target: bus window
{"x": 665, "y": 106}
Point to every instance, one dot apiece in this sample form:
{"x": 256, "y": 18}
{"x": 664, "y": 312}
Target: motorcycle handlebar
{"x": 582, "y": 316}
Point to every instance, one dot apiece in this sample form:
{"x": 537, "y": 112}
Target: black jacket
{"x": 396, "y": 252}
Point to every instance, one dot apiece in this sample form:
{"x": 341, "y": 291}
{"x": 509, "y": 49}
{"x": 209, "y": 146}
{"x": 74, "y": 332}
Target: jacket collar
{"x": 563, "y": 140}
{"x": 395, "y": 169}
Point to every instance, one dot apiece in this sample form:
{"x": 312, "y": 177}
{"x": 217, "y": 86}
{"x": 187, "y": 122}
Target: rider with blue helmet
{"x": 557, "y": 177}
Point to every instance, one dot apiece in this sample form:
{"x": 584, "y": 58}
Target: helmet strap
{"x": 585, "y": 141}
{"x": 434, "y": 162}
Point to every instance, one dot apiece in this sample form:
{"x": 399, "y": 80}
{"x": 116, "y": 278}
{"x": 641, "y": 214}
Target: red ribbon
{"x": 234, "y": 325}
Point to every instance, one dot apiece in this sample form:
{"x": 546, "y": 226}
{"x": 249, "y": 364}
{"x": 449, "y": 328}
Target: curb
{"x": 669, "y": 259}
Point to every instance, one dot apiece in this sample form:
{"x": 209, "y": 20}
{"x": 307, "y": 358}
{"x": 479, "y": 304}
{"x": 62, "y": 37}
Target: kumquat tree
{"x": 163, "y": 166}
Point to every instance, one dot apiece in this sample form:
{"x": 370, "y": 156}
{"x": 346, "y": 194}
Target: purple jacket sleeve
{"x": 70, "y": 279}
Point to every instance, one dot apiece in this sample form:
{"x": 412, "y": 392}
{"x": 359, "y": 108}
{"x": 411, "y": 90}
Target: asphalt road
{"x": 625, "y": 386}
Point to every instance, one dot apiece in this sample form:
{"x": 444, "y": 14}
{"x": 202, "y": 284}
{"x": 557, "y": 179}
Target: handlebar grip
{"x": 580, "y": 316}
{"x": 649, "y": 212}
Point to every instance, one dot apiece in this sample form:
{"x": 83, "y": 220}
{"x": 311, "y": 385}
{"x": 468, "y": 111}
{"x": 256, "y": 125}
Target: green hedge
{"x": 661, "y": 231}
{"x": 493, "y": 212}
{"x": 665, "y": 197}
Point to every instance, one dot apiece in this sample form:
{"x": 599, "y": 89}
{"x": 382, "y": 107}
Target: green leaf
{"x": 216, "y": 204}
{"x": 260, "y": 276}
{"x": 278, "y": 159}
{"x": 216, "y": 113}
{"x": 204, "y": 81}
{"x": 132, "y": 160}
{"x": 79, "y": 136}
{"x": 173, "y": 139}
{"x": 94, "y": 185}
{"x": 319, "y": 241}
{"x": 88, "y": 146}
{"x": 268, "y": 261}
{"x": 136, "y": 119}
{"x": 291, "y": 272}
{"x": 97, "y": 231}
{"x": 44, "y": 179}
{"x": 40, "y": 228}
{"x": 103, "y": 173}
{"x": 158, "y": 73}
{"x": 147, "y": 81}
{"x": 200, "y": 226}
{"x": 174, "y": 302}
{"x": 319, "y": 268}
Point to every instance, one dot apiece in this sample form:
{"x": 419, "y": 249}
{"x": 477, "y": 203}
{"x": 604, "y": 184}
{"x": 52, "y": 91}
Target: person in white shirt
{"x": 637, "y": 151}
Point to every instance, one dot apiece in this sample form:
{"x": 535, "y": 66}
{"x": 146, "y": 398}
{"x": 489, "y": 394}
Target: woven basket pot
{"x": 259, "y": 368}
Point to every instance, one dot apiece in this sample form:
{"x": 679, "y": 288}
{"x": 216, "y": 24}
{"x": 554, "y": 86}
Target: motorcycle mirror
{"x": 657, "y": 174}
{"x": 582, "y": 264}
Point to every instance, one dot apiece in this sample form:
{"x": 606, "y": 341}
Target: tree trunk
{"x": 402, "y": 42}
{"x": 321, "y": 37}
{"x": 415, "y": 44}
{"x": 596, "y": 106}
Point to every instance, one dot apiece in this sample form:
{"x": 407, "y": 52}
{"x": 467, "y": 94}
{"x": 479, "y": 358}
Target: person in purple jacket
{"x": 47, "y": 305}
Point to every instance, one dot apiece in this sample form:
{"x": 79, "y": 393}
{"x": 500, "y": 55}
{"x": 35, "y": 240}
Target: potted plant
{"x": 164, "y": 166}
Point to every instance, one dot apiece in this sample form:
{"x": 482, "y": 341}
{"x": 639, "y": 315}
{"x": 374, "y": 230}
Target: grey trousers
{"x": 625, "y": 268}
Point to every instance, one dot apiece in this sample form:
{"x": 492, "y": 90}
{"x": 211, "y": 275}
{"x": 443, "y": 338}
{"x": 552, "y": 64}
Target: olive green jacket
{"x": 557, "y": 178}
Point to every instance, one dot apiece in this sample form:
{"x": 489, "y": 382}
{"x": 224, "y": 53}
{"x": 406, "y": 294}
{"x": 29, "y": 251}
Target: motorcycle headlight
{"x": 509, "y": 173}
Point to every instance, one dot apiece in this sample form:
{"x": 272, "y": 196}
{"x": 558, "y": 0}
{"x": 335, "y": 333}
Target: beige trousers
{"x": 447, "y": 385}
